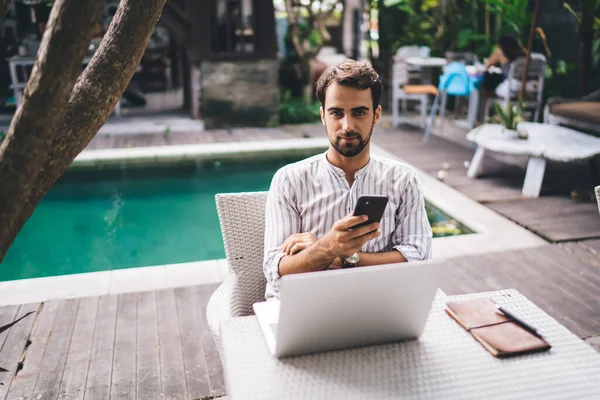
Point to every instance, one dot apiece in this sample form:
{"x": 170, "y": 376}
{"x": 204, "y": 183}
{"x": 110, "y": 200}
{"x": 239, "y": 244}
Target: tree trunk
{"x": 92, "y": 100}
{"x": 534, "y": 20}
{"x": 43, "y": 107}
{"x": 4, "y": 7}
{"x": 586, "y": 40}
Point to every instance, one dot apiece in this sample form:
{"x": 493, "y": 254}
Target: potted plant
{"x": 509, "y": 118}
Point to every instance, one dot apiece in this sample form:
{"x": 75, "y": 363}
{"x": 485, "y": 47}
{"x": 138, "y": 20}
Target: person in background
{"x": 496, "y": 84}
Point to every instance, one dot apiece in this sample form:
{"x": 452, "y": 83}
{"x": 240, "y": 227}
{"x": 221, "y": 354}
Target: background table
{"x": 445, "y": 363}
{"x": 544, "y": 142}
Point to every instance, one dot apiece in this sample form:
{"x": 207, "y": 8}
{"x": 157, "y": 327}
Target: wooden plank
{"x": 72, "y": 386}
{"x": 541, "y": 284}
{"x": 593, "y": 246}
{"x": 171, "y": 360}
{"x": 23, "y": 383}
{"x": 100, "y": 370}
{"x": 123, "y": 385}
{"x": 585, "y": 278}
{"x": 148, "y": 363}
{"x": 583, "y": 251}
{"x": 190, "y": 326}
{"x": 7, "y": 315}
{"x": 55, "y": 356}
{"x": 14, "y": 341}
{"x": 213, "y": 359}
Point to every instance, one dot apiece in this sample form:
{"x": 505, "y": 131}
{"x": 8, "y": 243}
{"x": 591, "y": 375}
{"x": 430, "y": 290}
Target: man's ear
{"x": 377, "y": 115}
{"x": 322, "y": 115}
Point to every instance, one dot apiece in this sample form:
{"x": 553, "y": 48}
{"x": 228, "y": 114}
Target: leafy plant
{"x": 295, "y": 110}
{"x": 510, "y": 117}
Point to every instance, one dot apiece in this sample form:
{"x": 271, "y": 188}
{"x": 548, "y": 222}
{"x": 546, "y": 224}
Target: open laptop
{"x": 328, "y": 310}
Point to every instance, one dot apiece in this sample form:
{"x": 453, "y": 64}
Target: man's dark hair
{"x": 354, "y": 74}
{"x": 510, "y": 47}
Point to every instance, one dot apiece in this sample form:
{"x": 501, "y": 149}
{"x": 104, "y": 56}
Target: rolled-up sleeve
{"x": 282, "y": 219}
{"x": 412, "y": 237}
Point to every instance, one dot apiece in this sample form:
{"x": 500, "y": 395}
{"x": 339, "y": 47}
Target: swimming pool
{"x": 96, "y": 220}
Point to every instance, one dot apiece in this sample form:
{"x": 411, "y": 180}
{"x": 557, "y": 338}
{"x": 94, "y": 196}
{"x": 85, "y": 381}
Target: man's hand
{"x": 343, "y": 240}
{"x": 297, "y": 242}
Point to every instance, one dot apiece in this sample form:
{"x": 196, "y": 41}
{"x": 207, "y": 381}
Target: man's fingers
{"x": 349, "y": 221}
{"x": 298, "y": 247}
{"x": 360, "y": 240}
{"x": 363, "y": 230}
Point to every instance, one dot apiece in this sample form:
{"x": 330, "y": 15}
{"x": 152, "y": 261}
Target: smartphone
{"x": 372, "y": 206}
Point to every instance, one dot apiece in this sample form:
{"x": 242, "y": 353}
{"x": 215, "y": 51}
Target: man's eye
{"x": 337, "y": 113}
{"x": 359, "y": 113}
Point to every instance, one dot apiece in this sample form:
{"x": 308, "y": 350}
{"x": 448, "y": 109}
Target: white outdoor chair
{"x": 533, "y": 89}
{"x": 242, "y": 218}
{"x": 402, "y": 91}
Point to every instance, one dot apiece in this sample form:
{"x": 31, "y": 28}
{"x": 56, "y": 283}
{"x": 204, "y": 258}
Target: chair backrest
{"x": 455, "y": 80}
{"x": 242, "y": 219}
{"x": 399, "y": 72}
{"x": 408, "y": 51}
{"x": 535, "y": 72}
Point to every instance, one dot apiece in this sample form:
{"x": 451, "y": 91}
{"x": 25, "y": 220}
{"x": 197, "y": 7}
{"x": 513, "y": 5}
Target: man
{"x": 310, "y": 203}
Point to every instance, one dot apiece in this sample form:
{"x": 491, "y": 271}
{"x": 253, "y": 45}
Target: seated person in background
{"x": 310, "y": 203}
{"x": 506, "y": 52}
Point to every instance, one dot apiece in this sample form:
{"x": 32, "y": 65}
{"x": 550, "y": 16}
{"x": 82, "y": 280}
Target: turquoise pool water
{"x": 103, "y": 220}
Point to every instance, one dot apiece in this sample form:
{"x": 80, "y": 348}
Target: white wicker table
{"x": 445, "y": 363}
{"x": 545, "y": 142}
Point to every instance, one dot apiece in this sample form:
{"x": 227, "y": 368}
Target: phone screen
{"x": 372, "y": 206}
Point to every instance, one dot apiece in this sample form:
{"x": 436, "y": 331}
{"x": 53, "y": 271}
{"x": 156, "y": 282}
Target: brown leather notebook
{"x": 500, "y": 335}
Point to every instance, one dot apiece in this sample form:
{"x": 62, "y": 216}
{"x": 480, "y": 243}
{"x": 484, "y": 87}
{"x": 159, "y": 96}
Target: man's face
{"x": 349, "y": 118}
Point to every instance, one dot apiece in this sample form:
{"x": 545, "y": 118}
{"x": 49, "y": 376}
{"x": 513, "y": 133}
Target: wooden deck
{"x": 151, "y": 345}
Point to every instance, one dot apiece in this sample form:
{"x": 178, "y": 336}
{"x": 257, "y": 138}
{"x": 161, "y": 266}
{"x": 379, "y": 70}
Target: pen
{"x": 519, "y": 321}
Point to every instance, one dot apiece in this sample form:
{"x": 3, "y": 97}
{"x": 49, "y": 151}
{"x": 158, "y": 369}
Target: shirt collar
{"x": 340, "y": 172}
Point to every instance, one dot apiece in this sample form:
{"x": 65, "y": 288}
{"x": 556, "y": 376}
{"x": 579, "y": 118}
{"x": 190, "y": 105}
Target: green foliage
{"x": 2, "y": 136}
{"x": 510, "y": 117}
{"x": 515, "y": 17}
{"x": 442, "y": 224}
{"x": 295, "y": 110}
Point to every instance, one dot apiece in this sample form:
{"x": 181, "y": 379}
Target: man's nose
{"x": 347, "y": 124}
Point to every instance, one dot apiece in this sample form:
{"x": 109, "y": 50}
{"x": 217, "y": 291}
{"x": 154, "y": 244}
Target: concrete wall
{"x": 239, "y": 93}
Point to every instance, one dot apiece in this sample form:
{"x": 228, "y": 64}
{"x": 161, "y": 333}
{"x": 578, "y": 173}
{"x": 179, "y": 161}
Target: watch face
{"x": 353, "y": 259}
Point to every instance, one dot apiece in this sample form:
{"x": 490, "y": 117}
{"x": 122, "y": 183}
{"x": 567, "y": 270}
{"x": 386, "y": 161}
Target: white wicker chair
{"x": 242, "y": 218}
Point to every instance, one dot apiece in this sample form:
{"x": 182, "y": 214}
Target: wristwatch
{"x": 350, "y": 262}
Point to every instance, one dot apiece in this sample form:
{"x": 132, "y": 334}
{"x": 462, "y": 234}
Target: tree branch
{"x": 4, "y": 7}
{"x": 42, "y": 109}
{"x": 91, "y": 101}
{"x": 101, "y": 85}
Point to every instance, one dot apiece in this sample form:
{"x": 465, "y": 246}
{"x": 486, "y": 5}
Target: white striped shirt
{"x": 312, "y": 194}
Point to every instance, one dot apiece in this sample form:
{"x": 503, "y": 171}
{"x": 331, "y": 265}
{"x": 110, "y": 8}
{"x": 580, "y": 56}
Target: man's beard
{"x": 350, "y": 149}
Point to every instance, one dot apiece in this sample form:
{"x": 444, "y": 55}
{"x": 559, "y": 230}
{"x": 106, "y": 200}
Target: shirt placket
{"x": 352, "y": 196}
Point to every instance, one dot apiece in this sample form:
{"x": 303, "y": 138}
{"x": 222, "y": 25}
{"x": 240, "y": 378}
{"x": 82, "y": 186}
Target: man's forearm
{"x": 388, "y": 257}
{"x": 310, "y": 259}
